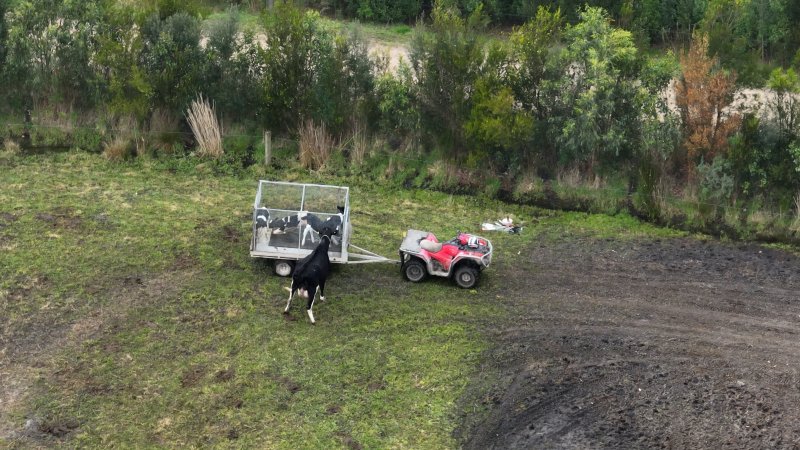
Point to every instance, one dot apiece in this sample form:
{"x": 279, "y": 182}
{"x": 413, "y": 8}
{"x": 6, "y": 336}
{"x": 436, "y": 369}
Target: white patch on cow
{"x": 311, "y": 316}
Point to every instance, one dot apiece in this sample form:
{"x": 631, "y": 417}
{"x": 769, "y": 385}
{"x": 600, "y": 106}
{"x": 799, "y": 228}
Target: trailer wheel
{"x": 282, "y": 267}
{"x": 466, "y": 276}
{"x": 414, "y": 270}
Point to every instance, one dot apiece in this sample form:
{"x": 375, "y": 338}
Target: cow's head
{"x": 328, "y": 231}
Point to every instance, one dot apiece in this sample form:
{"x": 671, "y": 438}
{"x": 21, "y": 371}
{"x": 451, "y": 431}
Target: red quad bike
{"x": 461, "y": 258}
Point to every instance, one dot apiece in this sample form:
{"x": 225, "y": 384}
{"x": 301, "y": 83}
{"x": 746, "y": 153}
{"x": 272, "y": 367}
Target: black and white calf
{"x": 311, "y": 272}
{"x": 262, "y": 222}
{"x": 314, "y": 223}
{"x": 280, "y": 225}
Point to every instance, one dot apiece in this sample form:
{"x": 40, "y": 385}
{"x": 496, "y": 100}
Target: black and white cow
{"x": 314, "y": 223}
{"x": 311, "y": 272}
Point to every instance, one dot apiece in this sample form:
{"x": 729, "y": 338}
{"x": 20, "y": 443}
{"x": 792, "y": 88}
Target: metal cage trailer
{"x": 284, "y": 217}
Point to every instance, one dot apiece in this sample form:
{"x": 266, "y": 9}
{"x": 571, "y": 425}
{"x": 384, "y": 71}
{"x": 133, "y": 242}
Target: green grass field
{"x": 133, "y": 315}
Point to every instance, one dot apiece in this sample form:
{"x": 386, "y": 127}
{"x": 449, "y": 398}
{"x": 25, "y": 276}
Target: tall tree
{"x": 447, "y": 58}
{"x": 597, "y": 111}
{"x": 532, "y": 47}
{"x": 50, "y": 50}
{"x": 703, "y": 96}
{"x": 292, "y": 49}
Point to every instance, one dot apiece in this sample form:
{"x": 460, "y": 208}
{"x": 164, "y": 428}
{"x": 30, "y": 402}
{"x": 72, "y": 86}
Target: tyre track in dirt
{"x": 656, "y": 344}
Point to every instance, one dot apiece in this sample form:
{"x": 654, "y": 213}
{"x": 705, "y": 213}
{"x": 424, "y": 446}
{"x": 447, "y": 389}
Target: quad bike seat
{"x": 430, "y": 245}
{"x": 442, "y": 252}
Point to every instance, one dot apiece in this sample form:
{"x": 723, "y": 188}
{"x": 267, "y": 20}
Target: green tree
{"x": 233, "y": 74}
{"x": 531, "y": 51}
{"x": 342, "y": 93}
{"x": 50, "y": 50}
{"x": 398, "y": 115}
{"x": 447, "y": 58}
{"x": 294, "y": 42}
{"x": 128, "y": 90}
{"x": 766, "y": 25}
{"x": 598, "y": 113}
{"x": 785, "y": 106}
{"x": 3, "y": 35}
{"x": 498, "y": 129}
{"x": 173, "y": 60}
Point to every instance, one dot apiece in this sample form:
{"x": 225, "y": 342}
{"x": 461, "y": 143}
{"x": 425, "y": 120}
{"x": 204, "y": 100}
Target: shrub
{"x": 716, "y": 186}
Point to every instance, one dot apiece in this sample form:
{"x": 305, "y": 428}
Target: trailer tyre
{"x": 414, "y": 270}
{"x": 283, "y": 268}
{"x": 466, "y": 276}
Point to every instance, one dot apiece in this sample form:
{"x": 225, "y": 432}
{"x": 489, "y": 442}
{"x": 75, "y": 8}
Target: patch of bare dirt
{"x": 225, "y": 375}
{"x": 192, "y": 376}
{"x": 60, "y": 217}
{"x": 653, "y": 344}
{"x": 6, "y": 219}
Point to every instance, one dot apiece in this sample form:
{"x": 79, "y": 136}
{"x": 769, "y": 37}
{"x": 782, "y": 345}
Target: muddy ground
{"x": 652, "y": 344}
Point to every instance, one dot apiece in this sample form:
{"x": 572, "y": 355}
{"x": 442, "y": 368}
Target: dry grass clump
{"x": 207, "y": 131}
{"x": 796, "y": 224}
{"x": 316, "y": 145}
{"x": 163, "y": 131}
{"x": 11, "y": 147}
{"x": 359, "y": 148}
{"x": 117, "y": 149}
{"x": 573, "y": 177}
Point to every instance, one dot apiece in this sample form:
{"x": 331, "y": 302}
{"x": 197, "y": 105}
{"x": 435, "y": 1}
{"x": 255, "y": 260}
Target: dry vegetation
{"x": 207, "y": 131}
{"x": 116, "y": 149}
{"x": 316, "y": 145}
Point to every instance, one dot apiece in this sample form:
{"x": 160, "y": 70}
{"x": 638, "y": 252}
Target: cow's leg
{"x": 289, "y": 303}
{"x": 322, "y": 290}
{"x": 312, "y": 292}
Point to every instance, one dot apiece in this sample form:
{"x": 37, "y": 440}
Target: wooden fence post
{"x": 267, "y": 147}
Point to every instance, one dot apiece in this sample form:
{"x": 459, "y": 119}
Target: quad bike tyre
{"x": 466, "y": 276}
{"x": 414, "y": 270}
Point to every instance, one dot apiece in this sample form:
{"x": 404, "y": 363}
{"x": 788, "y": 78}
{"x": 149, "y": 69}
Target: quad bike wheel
{"x": 466, "y": 276}
{"x": 414, "y": 270}
{"x": 283, "y": 268}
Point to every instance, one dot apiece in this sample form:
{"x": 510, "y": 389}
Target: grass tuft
{"x": 207, "y": 132}
{"x": 117, "y": 149}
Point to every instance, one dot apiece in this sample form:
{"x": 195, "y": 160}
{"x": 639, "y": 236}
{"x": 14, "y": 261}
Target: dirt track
{"x": 671, "y": 344}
